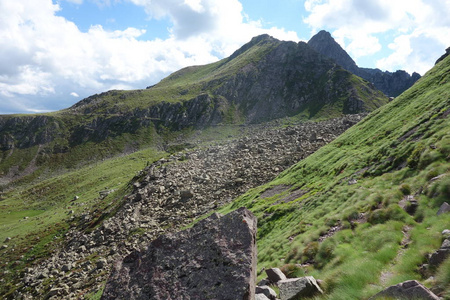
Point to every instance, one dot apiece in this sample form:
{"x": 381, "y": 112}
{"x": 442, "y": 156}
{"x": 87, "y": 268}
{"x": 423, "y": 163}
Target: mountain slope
{"x": 345, "y": 214}
{"x": 392, "y": 84}
{"x": 264, "y": 80}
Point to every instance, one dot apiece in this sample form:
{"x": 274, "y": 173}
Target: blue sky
{"x": 54, "y": 53}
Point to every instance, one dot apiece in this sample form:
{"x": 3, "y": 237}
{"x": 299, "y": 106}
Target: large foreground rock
{"x": 410, "y": 289}
{"x": 297, "y": 288}
{"x": 215, "y": 259}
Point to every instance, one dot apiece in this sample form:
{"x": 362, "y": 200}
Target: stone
{"x": 7, "y": 239}
{"x": 66, "y": 267}
{"x": 410, "y": 289}
{"x": 267, "y": 291}
{"x": 446, "y": 233}
{"x": 186, "y": 194}
{"x": 295, "y": 288}
{"x": 4, "y": 247}
{"x": 445, "y": 208}
{"x": 438, "y": 257}
{"x": 215, "y": 259}
{"x": 261, "y": 297}
{"x": 101, "y": 263}
{"x": 263, "y": 282}
{"x": 275, "y": 275}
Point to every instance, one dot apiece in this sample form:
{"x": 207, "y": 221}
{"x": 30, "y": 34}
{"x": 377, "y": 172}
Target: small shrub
{"x": 428, "y": 157}
{"x": 405, "y": 189}
{"x": 431, "y": 174}
{"x": 351, "y": 215}
{"x": 440, "y": 191}
{"x": 378, "y": 216}
{"x": 310, "y": 250}
{"x": 293, "y": 254}
{"x": 325, "y": 252}
{"x": 413, "y": 159}
{"x": 393, "y": 212}
{"x": 292, "y": 271}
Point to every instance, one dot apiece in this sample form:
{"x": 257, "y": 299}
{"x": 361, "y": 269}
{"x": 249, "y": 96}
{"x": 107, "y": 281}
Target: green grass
{"x": 395, "y": 151}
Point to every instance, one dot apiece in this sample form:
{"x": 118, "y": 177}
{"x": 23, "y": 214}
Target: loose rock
{"x": 275, "y": 275}
{"x": 296, "y": 288}
{"x": 215, "y": 259}
{"x": 410, "y": 289}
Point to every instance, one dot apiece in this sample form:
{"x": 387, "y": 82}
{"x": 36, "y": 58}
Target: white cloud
{"x": 44, "y": 57}
{"x": 73, "y": 94}
{"x": 75, "y": 1}
{"x": 358, "y": 26}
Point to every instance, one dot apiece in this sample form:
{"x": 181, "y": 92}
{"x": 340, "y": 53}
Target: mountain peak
{"x": 324, "y": 43}
{"x": 260, "y": 39}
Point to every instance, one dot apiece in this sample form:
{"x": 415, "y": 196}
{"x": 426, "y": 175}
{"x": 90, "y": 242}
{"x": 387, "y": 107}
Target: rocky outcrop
{"x": 438, "y": 257}
{"x": 292, "y": 78}
{"x": 447, "y": 53}
{"x": 410, "y": 289}
{"x": 391, "y": 84}
{"x": 215, "y": 259}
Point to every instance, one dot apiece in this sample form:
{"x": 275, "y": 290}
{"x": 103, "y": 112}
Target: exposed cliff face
{"x": 391, "y": 84}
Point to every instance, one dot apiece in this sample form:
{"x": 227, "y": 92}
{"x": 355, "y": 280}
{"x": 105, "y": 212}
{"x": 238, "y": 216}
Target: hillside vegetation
{"x": 340, "y": 214}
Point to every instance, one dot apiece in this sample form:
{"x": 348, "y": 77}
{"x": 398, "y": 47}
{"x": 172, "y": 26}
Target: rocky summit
{"x": 390, "y": 83}
{"x": 215, "y": 259}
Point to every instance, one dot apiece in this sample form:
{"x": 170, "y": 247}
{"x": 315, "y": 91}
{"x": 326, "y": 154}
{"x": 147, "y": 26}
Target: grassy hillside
{"x": 338, "y": 215}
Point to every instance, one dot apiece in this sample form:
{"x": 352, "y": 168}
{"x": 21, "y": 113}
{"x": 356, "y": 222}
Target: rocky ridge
{"x": 167, "y": 196}
{"x": 390, "y": 83}
{"x": 264, "y": 80}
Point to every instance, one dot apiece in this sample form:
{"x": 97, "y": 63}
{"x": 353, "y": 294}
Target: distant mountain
{"x": 391, "y": 84}
{"x": 264, "y": 80}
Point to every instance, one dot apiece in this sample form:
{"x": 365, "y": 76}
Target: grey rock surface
{"x": 267, "y": 291}
{"x": 275, "y": 275}
{"x": 445, "y": 208}
{"x": 261, "y": 297}
{"x": 410, "y": 289}
{"x": 297, "y": 288}
{"x": 215, "y": 259}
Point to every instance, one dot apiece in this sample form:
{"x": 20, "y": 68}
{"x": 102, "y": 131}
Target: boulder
{"x": 410, "y": 289}
{"x": 267, "y": 291}
{"x": 296, "y": 288}
{"x": 438, "y": 257}
{"x": 275, "y": 275}
{"x": 215, "y": 259}
{"x": 445, "y": 233}
{"x": 445, "y": 208}
{"x": 441, "y": 254}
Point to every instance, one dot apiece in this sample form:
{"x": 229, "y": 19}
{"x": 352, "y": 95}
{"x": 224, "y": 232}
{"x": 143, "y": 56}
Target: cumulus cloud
{"x": 44, "y": 57}
{"x": 358, "y": 26}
